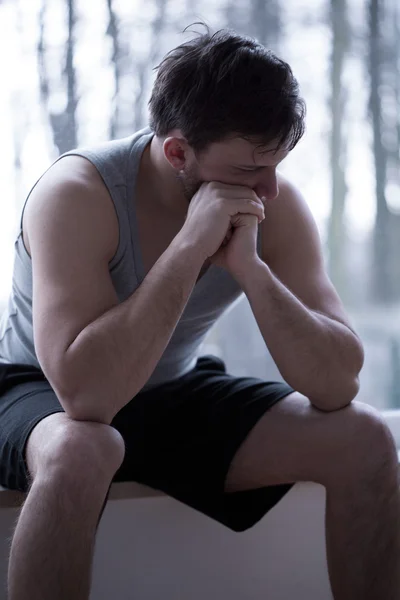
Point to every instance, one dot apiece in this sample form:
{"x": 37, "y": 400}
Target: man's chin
{"x": 190, "y": 186}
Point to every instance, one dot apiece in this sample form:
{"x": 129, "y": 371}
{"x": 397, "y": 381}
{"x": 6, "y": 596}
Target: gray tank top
{"x": 117, "y": 161}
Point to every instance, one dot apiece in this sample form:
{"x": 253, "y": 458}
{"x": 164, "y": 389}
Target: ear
{"x": 176, "y": 151}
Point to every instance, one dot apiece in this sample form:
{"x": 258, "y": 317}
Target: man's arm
{"x": 96, "y": 352}
{"x": 299, "y": 312}
{"x": 113, "y": 357}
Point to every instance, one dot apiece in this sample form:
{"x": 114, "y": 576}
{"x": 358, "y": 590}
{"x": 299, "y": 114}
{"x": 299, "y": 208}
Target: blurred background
{"x": 78, "y": 73}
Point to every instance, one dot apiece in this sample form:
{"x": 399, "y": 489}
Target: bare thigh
{"x": 294, "y": 441}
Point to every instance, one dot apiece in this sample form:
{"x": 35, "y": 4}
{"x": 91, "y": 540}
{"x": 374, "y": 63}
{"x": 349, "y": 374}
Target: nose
{"x": 268, "y": 188}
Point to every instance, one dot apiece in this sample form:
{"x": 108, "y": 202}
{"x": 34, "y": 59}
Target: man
{"x": 128, "y": 253}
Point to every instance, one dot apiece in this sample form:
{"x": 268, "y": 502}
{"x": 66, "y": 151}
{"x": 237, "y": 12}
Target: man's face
{"x": 236, "y": 162}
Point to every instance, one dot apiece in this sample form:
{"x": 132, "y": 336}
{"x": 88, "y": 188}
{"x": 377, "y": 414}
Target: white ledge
{"x": 120, "y": 490}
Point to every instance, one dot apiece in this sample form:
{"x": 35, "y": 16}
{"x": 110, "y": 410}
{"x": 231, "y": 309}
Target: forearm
{"x": 316, "y": 355}
{"x": 114, "y": 356}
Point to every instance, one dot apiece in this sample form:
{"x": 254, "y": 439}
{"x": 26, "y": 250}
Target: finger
{"x": 247, "y": 193}
{"x": 245, "y": 205}
{"x": 237, "y": 191}
{"x": 241, "y": 220}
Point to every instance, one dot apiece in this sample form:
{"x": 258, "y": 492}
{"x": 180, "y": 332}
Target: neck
{"x": 161, "y": 179}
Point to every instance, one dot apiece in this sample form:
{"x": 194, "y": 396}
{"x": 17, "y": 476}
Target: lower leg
{"x": 53, "y": 544}
{"x": 363, "y": 536}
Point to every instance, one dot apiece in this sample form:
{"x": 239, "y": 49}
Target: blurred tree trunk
{"x": 337, "y": 235}
{"x": 265, "y": 22}
{"x": 69, "y": 140}
{"x": 41, "y": 60}
{"x": 191, "y": 7}
{"x": 391, "y": 136}
{"x": 21, "y": 123}
{"x": 113, "y": 32}
{"x": 381, "y": 278}
{"x": 394, "y": 390}
{"x": 63, "y": 124}
{"x": 145, "y": 66}
{"x": 232, "y": 15}
{"x": 397, "y": 69}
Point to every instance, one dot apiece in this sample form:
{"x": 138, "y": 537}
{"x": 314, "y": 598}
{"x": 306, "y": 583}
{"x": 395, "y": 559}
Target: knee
{"x": 367, "y": 443}
{"x": 92, "y": 450}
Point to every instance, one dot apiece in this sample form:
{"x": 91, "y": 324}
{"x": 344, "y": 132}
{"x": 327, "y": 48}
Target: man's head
{"x": 228, "y": 109}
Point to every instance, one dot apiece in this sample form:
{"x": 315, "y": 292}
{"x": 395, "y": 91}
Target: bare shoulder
{"x": 288, "y": 221}
{"x": 73, "y": 186}
{"x": 73, "y": 234}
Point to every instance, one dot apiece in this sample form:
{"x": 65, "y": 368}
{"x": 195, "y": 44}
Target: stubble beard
{"x": 190, "y": 182}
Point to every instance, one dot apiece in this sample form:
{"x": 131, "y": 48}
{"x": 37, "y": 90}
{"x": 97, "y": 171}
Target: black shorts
{"x": 180, "y": 436}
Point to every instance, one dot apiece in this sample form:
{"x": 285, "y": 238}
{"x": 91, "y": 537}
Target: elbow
{"x": 82, "y": 407}
{"x": 88, "y": 415}
{"x": 79, "y": 402}
{"x": 341, "y": 397}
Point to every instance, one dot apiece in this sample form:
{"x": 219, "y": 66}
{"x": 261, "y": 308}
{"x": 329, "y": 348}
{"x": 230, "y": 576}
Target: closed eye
{"x": 250, "y": 170}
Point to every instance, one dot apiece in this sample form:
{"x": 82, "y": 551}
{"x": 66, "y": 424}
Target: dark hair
{"x": 216, "y": 86}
